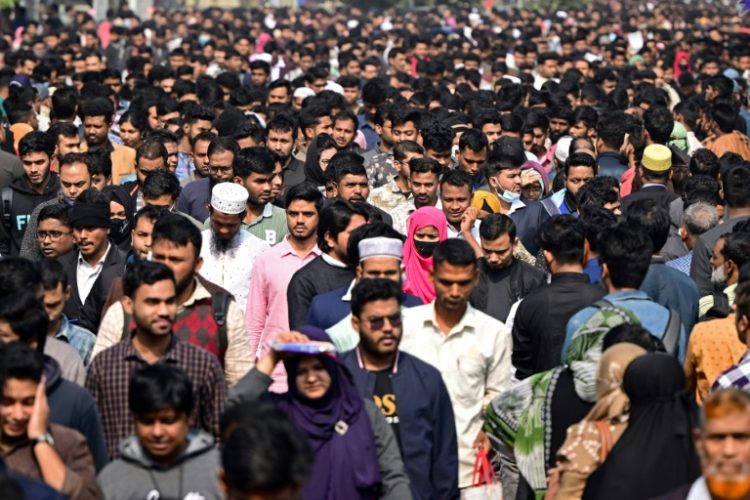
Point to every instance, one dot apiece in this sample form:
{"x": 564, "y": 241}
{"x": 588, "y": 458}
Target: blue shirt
{"x": 683, "y": 263}
{"x": 653, "y": 317}
{"x": 371, "y": 136}
{"x": 674, "y": 290}
{"x": 78, "y": 337}
{"x": 593, "y": 270}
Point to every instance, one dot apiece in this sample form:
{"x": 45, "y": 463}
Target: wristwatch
{"x": 44, "y": 438}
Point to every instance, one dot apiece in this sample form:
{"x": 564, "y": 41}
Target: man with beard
{"x": 282, "y": 135}
{"x": 92, "y": 269}
{"x": 75, "y": 178}
{"x": 207, "y": 316}
{"x": 503, "y": 279}
{"x": 254, "y": 168}
{"x": 96, "y": 115}
{"x": 410, "y": 393}
{"x": 36, "y": 186}
{"x": 350, "y": 181}
{"x": 228, "y": 251}
{"x": 196, "y": 196}
{"x": 579, "y": 169}
{"x": 151, "y": 156}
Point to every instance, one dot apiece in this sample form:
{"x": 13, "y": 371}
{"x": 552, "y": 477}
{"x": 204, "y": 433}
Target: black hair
{"x": 179, "y": 231}
{"x": 334, "y": 219}
{"x": 37, "y": 142}
{"x": 27, "y": 318}
{"x": 505, "y": 153}
{"x": 595, "y": 222}
{"x": 653, "y": 217}
{"x": 632, "y": 334}
{"x": 151, "y": 212}
{"x": 19, "y": 361}
{"x": 403, "y": 148}
{"x": 53, "y": 274}
{"x": 71, "y": 158}
{"x": 222, "y": 143}
{"x": 57, "y": 211}
{"x": 98, "y": 106}
{"x": 438, "y": 137}
{"x": 737, "y": 248}
{"x": 626, "y": 251}
{"x": 64, "y": 103}
{"x": 346, "y": 163}
{"x": 473, "y": 139}
{"x": 425, "y": 165}
{"x": 457, "y": 178}
{"x": 367, "y": 231}
{"x": 249, "y": 128}
{"x": 399, "y": 115}
{"x": 736, "y": 184}
{"x": 455, "y": 252}
{"x": 160, "y": 387}
{"x": 587, "y": 115}
{"x": 65, "y": 129}
{"x": 160, "y": 182}
{"x": 310, "y": 115}
{"x": 144, "y": 273}
{"x": 98, "y": 162}
{"x": 658, "y": 122}
{"x": 262, "y": 450}
{"x": 611, "y": 129}
{"x": 18, "y": 275}
{"x": 599, "y": 191}
{"x": 580, "y": 160}
{"x": 725, "y": 116}
{"x": 704, "y": 162}
{"x": 372, "y": 289}
{"x": 151, "y": 149}
{"x": 305, "y": 191}
{"x": 562, "y": 236}
{"x": 257, "y": 160}
{"x": 495, "y": 225}
{"x": 282, "y": 123}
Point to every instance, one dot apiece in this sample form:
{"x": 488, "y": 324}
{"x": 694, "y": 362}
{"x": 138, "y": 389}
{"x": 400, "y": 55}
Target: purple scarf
{"x": 346, "y": 466}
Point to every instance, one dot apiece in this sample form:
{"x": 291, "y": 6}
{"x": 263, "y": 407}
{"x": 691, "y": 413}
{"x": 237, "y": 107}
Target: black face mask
{"x": 425, "y": 248}
{"x": 119, "y": 230}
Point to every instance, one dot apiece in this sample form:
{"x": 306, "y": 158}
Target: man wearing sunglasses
{"x": 410, "y": 393}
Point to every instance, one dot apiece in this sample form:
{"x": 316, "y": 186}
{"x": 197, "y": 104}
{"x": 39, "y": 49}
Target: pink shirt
{"x": 267, "y": 314}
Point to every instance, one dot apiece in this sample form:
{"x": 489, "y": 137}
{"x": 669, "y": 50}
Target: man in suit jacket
{"x": 97, "y": 262}
{"x": 656, "y": 171}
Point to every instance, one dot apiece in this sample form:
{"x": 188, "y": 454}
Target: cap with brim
{"x": 229, "y": 198}
{"x": 657, "y": 158}
{"x": 380, "y": 246}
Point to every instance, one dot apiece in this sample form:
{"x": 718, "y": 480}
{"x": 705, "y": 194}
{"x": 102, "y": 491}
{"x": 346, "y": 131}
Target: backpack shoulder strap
{"x": 672, "y": 332}
{"x": 602, "y": 303}
{"x": 220, "y": 308}
{"x": 7, "y": 207}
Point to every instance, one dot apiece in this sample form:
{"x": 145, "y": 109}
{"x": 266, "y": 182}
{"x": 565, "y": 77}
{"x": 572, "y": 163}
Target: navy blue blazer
{"x": 427, "y": 427}
{"x": 328, "y": 308}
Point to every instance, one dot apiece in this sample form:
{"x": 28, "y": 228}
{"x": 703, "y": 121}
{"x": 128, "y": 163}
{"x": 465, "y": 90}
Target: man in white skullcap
{"x": 379, "y": 257}
{"x": 228, "y": 251}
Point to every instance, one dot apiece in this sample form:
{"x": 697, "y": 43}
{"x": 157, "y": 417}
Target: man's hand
{"x": 39, "y": 413}
{"x": 482, "y": 441}
{"x": 467, "y": 221}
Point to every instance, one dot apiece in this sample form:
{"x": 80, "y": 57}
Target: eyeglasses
{"x": 378, "y": 322}
{"x": 53, "y": 235}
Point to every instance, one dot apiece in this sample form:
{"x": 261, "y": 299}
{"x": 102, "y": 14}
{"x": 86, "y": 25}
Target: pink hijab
{"x": 417, "y": 281}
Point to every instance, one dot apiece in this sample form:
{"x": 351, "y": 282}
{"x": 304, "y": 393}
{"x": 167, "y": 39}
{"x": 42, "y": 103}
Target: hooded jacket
{"x": 24, "y": 201}
{"x": 135, "y": 476}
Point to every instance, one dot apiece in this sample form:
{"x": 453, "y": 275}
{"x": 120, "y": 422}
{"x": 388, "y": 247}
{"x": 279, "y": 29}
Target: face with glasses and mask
{"x": 55, "y": 238}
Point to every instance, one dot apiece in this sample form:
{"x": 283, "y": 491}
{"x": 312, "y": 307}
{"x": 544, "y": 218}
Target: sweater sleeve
{"x": 249, "y": 389}
{"x": 394, "y": 478}
{"x": 29, "y": 245}
{"x": 239, "y": 358}
{"x": 80, "y": 473}
{"x": 299, "y": 296}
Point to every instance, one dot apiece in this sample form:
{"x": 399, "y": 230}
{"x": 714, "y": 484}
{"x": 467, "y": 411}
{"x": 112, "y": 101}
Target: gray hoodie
{"x": 134, "y": 476}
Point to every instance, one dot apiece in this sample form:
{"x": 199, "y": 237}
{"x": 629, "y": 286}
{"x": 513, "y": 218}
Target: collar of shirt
{"x": 64, "y": 330}
{"x": 200, "y": 293}
{"x": 699, "y": 490}
{"x": 630, "y": 295}
{"x": 467, "y": 321}
{"x": 516, "y": 205}
{"x": 331, "y": 261}
{"x": 348, "y": 295}
{"x": 654, "y": 186}
{"x": 267, "y": 212}
{"x": 397, "y": 190}
{"x": 169, "y": 356}
{"x": 83, "y": 262}
{"x": 361, "y": 362}
{"x": 286, "y": 249}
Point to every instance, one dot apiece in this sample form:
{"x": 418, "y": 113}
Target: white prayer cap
{"x": 334, "y": 87}
{"x": 229, "y": 198}
{"x": 563, "y": 148}
{"x": 303, "y": 92}
{"x": 380, "y": 246}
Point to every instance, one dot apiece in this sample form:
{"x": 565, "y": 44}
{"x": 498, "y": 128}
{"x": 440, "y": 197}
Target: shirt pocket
{"x": 469, "y": 377}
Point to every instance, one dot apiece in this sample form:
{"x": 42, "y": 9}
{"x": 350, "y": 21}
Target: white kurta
{"x": 232, "y": 269}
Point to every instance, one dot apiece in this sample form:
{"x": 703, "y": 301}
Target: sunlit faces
{"x": 302, "y": 219}
{"x": 312, "y": 379}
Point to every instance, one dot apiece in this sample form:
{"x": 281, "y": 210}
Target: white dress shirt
{"x": 474, "y": 360}
{"x": 86, "y": 274}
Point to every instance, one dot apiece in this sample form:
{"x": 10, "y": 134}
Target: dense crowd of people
{"x": 431, "y": 254}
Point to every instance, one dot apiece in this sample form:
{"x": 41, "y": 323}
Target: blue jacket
{"x": 673, "y": 289}
{"x": 329, "y": 308}
{"x": 426, "y": 424}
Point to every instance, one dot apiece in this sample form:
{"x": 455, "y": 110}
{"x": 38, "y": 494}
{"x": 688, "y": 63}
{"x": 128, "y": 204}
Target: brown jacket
{"x": 123, "y": 161}
{"x": 80, "y": 473}
{"x": 732, "y": 143}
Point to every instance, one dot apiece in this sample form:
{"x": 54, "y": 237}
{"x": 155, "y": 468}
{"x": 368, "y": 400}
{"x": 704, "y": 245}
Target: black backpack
{"x": 721, "y": 308}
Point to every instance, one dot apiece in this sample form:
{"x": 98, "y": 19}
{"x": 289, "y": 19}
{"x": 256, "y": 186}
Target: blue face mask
{"x": 509, "y": 197}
